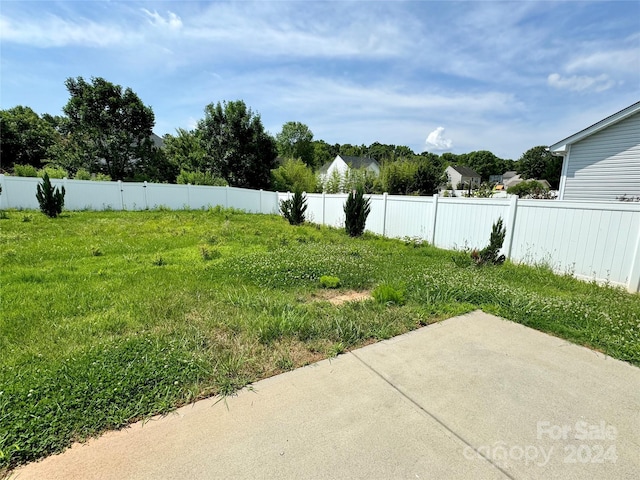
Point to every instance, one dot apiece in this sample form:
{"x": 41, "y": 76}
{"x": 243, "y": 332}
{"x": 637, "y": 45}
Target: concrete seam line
{"x": 431, "y": 415}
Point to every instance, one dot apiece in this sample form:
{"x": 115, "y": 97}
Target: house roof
{"x": 157, "y": 140}
{"x": 353, "y": 162}
{"x": 465, "y": 171}
{"x": 509, "y": 174}
{"x": 511, "y": 181}
{"x": 560, "y": 147}
{"x": 358, "y": 162}
{"x": 325, "y": 168}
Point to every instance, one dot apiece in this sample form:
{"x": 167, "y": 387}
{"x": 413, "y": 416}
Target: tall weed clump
{"x": 293, "y": 209}
{"x": 50, "y": 198}
{"x": 356, "y": 210}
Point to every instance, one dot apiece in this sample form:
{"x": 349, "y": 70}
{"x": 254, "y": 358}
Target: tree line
{"x": 106, "y": 132}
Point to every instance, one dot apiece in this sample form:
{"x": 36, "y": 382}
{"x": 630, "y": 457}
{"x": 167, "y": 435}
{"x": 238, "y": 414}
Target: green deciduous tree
{"x": 427, "y": 179}
{"x": 484, "y": 163}
{"x": 296, "y": 141}
{"x": 323, "y": 152}
{"x": 110, "y": 126}
{"x": 26, "y": 137}
{"x": 539, "y": 163}
{"x": 185, "y": 150}
{"x": 237, "y": 147}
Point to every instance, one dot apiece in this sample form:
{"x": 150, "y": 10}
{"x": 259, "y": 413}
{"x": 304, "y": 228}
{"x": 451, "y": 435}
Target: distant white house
{"x": 459, "y": 175}
{"x": 342, "y": 163}
{"x": 602, "y": 162}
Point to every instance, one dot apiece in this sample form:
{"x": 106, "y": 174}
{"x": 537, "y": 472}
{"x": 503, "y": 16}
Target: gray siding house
{"x": 462, "y": 175}
{"x": 602, "y": 162}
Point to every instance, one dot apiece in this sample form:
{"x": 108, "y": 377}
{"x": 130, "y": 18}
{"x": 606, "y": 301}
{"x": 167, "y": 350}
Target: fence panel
{"x": 409, "y": 217}
{"x": 591, "y": 241}
{"x": 466, "y": 222}
{"x": 20, "y": 192}
{"x": 201, "y": 196}
{"x": 314, "y": 206}
{"x": 134, "y": 195}
{"x": 376, "y": 220}
{"x": 173, "y": 197}
{"x": 334, "y": 209}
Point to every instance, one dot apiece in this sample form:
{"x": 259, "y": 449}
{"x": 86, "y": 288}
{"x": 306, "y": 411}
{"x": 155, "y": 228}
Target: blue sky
{"x": 466, "y": 76}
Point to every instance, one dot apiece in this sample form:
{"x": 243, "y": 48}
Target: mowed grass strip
{"x": 109, "y": 317}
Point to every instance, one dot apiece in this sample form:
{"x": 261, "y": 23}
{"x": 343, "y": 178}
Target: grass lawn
{"x": 109, "y": 317}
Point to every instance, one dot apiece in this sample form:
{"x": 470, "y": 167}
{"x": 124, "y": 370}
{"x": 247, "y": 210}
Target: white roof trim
{"x": 560, "y": 147}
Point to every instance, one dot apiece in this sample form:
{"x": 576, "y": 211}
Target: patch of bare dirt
{"x": 336, "y": 297}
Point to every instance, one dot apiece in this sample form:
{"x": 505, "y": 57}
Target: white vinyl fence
{"x": 593, "y": 241}
{"x": 20, "y": 193}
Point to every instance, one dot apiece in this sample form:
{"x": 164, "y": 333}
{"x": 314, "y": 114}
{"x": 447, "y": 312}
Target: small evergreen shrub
{"x": 293, "y": 209}
{"x": 51, "y": 199}
{"x": 327, "y": 281}
{"x": 356, "y": 210}
{"x": 388, "y": 295}
{"x": 489, "y": 254}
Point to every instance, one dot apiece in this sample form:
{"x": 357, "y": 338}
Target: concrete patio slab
{"x": 474, "y": 396}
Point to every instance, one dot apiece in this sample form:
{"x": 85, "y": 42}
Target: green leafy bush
{"x": 200, "y": 178}
{"x": 293, "y": 209}
{"x": 25, "y": 171}
{"x": 292, "y": 176}
{"x": 530, "y": 189}
{"x": 389, "y": 295}
{"x": 356, "y": 210}
{"x": 53, "y": 172}
{"x": 82, "y": 174}
{"x": 327, "y": 281}
{"x": 51, "y": 199}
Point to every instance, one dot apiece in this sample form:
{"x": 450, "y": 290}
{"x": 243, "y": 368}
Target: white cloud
{"x": 172, "y": 22}
{"x": 436, "y": 141}
{"x": 580, "y": 83}
{"x": 53, "y": 31}
{"x": 623, "y": 61}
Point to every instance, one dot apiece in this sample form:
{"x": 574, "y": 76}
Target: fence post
{"x": 189, "y": 196}
{"x": 434, "y": 219}
{"x": 121, "y": 195}
{"x": 384, "y": 214}
{"x": 323, "y": 207}
{"x": 144, "y": 193}
{"x": 3, "y": 192}
{"x": 260, "y": 211}
{"x": 226, "y": 196}
{"x": 510, "y": 225}
{"x": 633, "y": 285}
